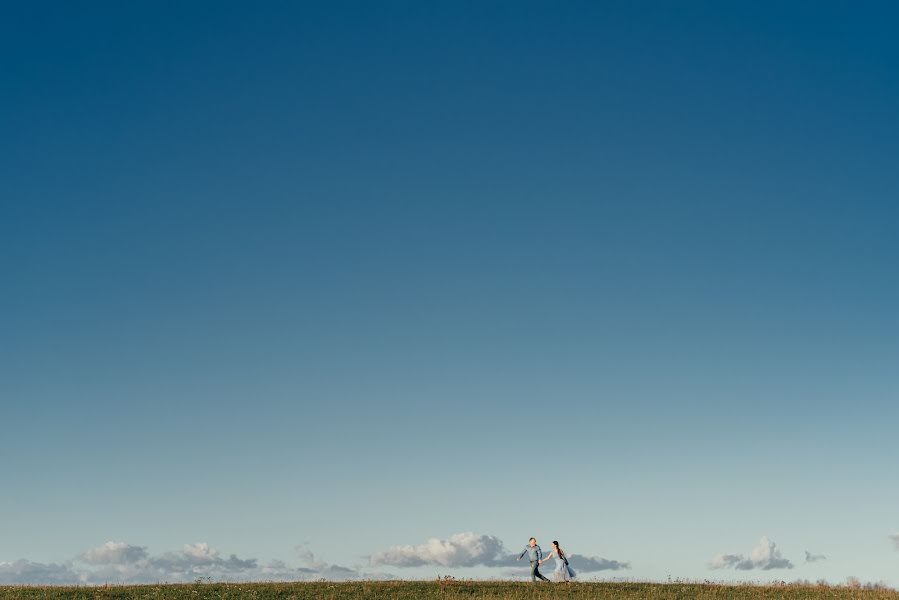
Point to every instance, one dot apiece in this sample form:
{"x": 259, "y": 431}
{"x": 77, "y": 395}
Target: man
{"x": 535, "y": 555}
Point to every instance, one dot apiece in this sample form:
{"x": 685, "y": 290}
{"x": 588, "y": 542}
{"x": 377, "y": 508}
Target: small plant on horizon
{"x": 444, "y": 582}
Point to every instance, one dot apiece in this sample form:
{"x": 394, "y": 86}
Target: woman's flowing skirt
{"x": 563, "y": 572}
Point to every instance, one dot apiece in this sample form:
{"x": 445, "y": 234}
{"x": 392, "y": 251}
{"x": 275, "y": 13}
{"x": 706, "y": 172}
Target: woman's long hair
{"x": 559, "y": 549}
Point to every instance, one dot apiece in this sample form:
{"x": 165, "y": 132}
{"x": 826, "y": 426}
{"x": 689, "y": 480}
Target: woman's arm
{"x": 548, "y": 556}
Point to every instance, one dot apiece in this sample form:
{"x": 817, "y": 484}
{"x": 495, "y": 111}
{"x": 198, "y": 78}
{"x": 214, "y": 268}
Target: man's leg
{"x": 538, "y": 573}
{"x": 534, "y": 572}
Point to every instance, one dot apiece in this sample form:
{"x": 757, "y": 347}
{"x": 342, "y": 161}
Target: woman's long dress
{"x": 563, "y": 572}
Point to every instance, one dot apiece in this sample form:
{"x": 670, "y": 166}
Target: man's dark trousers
{"x": 535, "y": 571}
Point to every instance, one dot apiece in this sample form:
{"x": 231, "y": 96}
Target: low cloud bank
{"x": 591, "y": 564}
{"x": 25, "y": 571}
{"x": 120, "y": 562}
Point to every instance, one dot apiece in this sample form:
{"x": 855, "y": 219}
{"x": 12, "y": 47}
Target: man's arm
{"x": 522, "y": 553}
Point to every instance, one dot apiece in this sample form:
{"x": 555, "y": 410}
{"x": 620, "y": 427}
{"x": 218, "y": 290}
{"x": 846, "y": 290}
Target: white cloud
{"x": 200, "y": 553}
{"x": 460, "y": 550}
{"x": 765, "y": 556}
{"x": 895, "y": 538}
{"x": 114, "y": 553}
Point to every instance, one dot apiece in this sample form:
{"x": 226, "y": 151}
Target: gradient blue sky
{"x": 357, "y": 275}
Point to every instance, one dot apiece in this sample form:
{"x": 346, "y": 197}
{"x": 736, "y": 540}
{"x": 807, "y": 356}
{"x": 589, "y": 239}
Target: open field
{"x": 440, "y": 590}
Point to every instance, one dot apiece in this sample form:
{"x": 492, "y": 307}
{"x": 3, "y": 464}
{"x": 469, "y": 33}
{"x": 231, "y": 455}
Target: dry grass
{"x": 446, "y": 589}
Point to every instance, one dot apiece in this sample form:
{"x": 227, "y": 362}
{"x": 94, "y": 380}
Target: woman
{"x": 563, "y": 572}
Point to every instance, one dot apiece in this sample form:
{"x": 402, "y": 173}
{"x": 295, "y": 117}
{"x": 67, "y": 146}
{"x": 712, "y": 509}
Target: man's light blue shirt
{"x": 534, "y": 553}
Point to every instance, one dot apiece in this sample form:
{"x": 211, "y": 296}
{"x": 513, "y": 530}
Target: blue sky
{"x": 312, "y": 283}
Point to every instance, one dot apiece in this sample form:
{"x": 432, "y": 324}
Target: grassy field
{"x": 439, "y": 590}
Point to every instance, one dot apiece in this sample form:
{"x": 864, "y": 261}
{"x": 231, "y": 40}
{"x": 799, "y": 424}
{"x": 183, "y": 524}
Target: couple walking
{"x": 562, "y": 573}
